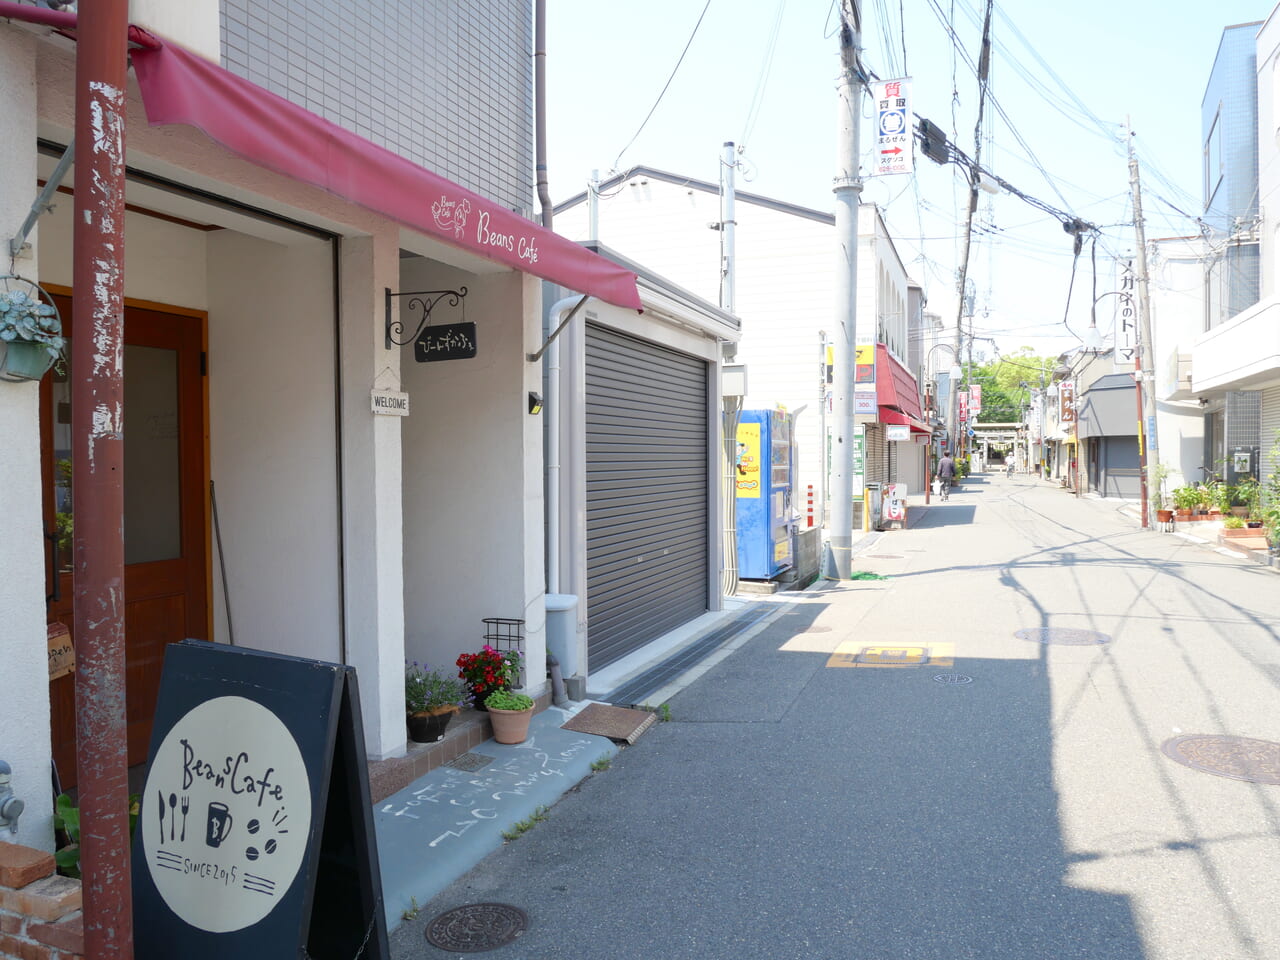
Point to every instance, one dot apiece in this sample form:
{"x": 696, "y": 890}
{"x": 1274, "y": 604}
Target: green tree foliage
{"x": 1004, "y": 396}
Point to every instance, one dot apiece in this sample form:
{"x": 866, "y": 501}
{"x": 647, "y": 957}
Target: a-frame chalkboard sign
{"x": 255, "y": 834}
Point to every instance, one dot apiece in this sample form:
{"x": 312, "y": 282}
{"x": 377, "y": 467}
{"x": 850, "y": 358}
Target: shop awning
{"x": 266, "y": 129}
{"x": 889, "y": 415}
{"x": 897, "y": 393}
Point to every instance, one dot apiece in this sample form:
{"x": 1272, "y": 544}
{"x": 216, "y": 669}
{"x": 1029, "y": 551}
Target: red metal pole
{"x": 97, "y": 395}
{"x": 1142, "y": 438}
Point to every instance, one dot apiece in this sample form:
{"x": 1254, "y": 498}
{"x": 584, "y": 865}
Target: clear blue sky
{"x": 1058, "y": 71}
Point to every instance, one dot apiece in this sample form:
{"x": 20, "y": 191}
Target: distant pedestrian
{"x": 946, "y": 474}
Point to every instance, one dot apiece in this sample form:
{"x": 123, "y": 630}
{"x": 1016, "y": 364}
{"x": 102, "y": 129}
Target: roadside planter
{"x": 510, "y": 714}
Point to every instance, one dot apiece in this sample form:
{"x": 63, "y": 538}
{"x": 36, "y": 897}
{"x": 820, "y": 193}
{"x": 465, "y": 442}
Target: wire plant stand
{"x": 504, "y": 634}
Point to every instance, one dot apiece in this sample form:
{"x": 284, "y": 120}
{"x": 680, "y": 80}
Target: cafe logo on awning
{"x": 226, "y": 814}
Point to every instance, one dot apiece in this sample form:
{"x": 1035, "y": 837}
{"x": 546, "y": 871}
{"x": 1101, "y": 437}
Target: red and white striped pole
{"x": 809, "y": 496}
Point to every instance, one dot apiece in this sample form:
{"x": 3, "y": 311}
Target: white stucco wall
{"x": 273, "y": 445}
{"x": 472, "y": 458}
{"x": 1176, "y": 270}
{"x": 373, "y": 529}
{"x": 24, "y": 679}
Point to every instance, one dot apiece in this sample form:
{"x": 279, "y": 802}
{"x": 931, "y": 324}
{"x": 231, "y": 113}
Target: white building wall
{"x": 24, "y": 679}
{"x": 273, "y": 444}
{"x": 473, "y": 475}
{"x": 1176, "y": 270}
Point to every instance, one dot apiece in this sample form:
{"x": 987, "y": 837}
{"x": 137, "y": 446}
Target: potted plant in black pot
{"x": 431, "y": 700}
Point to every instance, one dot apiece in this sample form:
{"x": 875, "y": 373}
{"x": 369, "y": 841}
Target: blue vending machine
{"x": 763, "y": 498}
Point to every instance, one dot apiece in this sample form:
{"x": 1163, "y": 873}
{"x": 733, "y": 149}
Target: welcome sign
{"x": 255, "y": 834}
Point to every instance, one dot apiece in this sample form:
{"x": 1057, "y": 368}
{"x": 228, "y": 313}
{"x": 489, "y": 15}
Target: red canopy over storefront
{"x": 897, "y": 394}
{"x": 266, "y": 129}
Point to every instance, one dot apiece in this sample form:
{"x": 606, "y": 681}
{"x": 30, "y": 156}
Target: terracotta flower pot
{"x": 429, "y": 726}
{"x": 510, "y": 726}
{"x": 1164, "y": 516}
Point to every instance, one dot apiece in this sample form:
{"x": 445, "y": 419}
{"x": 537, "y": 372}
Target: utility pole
{"x": 1144, "y": 357}
{"x": 97, "y": 403}
{"x": 975, "y": 180}
{"x": 848, "y": 190}
{"x": 728, "y": 226}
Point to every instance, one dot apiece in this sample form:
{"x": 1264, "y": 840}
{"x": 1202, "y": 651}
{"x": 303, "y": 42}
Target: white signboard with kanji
{"x": 1126, "y": 336}
{"x": 893, "y": 126}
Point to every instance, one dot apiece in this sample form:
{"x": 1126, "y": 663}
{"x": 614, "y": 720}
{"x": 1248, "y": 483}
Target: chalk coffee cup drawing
{"x": 219, "y": 824}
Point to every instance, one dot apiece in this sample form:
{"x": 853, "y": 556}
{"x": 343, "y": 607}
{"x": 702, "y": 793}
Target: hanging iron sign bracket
{"x": 424, "y": 300}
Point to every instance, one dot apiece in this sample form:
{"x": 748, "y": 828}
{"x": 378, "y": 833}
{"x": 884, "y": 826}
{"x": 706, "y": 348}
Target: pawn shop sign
{"x": 893, "y": 127}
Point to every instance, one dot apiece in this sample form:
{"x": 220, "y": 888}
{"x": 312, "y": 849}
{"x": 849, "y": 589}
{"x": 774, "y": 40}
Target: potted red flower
{"x": 488, "y": 671}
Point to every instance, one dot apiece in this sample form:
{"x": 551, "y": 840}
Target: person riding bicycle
{"x": 946, "y": 474}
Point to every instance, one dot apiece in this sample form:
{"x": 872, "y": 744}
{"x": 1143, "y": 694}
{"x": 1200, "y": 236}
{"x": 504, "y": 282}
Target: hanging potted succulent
{"x": 31, "y": 338}
{"x": 431, "y": 700}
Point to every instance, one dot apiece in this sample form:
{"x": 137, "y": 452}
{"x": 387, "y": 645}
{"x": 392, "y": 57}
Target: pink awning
{"x": 895, "y": 386}
{"x": 266, "y": 129}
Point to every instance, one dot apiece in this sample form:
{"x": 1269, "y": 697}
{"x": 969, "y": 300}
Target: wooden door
{"x": 165, "y": 514}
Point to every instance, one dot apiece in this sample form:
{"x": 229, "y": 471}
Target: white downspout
{"x": 554, "y": 422}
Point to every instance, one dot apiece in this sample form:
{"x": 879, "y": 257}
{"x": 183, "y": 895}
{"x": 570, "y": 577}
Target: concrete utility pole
{"x": 97, "y": 419}
{"x": 848, "y": 190}
{"x": 1144, "y": 357}
{"x": 728, "y": 227}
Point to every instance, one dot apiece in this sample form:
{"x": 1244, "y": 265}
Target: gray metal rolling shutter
{"x": 647, "y": 492}
{"x": 1270, "y": 431}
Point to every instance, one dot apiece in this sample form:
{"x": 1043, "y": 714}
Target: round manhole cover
{"x": 953, "y": 678}
{"x": 1063, "y": 636}
{"x": 1238, "y": 758}
{"x": 476, "y": 928}
{"x": 884, "y": 556}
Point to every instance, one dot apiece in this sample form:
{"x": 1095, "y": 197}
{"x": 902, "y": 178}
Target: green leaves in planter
{"x": 506, "y": 700}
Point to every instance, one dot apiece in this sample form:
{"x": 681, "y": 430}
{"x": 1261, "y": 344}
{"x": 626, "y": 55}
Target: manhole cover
{"x": 476, "y": 928}
{"x": 953, "y": 678}
{"x": 470, "y": 762}
{"x": 1238, "y": 758}
{"x": 884, "y": 556}
{"x": 1063, "y": 636}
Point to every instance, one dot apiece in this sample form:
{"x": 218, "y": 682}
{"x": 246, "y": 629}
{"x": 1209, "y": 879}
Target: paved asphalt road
{"x": 800, "y": 806}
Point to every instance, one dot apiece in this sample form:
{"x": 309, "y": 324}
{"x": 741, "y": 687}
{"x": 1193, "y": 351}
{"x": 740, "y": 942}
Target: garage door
{"x": 647, "y": 492}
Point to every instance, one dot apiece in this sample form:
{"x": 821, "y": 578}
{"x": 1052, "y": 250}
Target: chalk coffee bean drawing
{"x": 231, "y": 762}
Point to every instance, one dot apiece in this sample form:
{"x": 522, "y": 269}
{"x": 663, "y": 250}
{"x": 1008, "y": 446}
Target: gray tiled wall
{"x": 445, "y": 83}
{"x": 1232, "y": 95}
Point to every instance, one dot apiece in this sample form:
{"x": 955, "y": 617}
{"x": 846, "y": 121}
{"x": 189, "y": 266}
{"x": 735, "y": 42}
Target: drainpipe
{"x": 97, "y": 394}
{"x": 540, "y": 107}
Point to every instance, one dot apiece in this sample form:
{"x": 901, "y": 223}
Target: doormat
{"x": 617, "y": 723}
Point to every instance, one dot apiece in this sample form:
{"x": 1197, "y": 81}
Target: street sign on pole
{"x": 893, "y": 127}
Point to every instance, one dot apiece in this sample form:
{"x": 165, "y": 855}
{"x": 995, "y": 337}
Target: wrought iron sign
{"x": 455, "y": 341}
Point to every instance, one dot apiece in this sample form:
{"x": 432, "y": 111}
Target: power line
{"x": 666, "y": 85}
